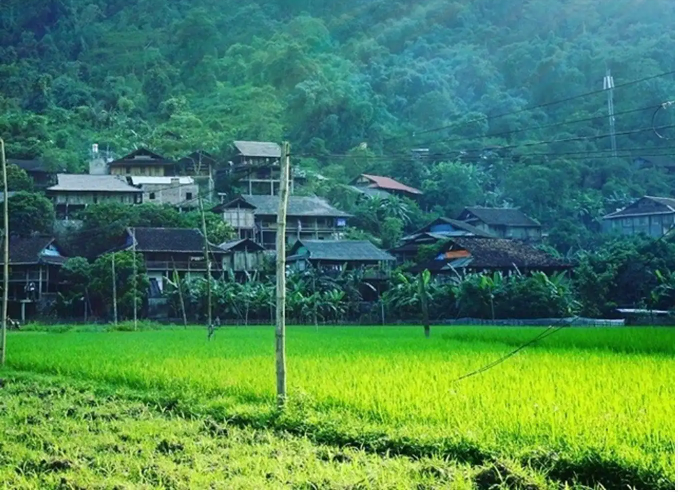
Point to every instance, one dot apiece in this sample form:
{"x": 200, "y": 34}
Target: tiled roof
{"x": 497, "y": 253}
{"x": 466, "y": 229}
{"x": 142, "y": 157}
{"x": 646, "y": 205}
{"x": 669, "y": 202}
{"x": 342, "y": 251}
{"x": 240, "y": 244}
{"x": 499, "y": 216}
{"x": 297, "y": 206}
{"x": 386, "y": 183}
{"x": 31, "y": 251}
{"x": 29, "y": 165}
{"x": 376, "y": 192}
{"x": 170, "y": 240}
{"x": 258, "y": 149}
{"x": 92, "y": 182}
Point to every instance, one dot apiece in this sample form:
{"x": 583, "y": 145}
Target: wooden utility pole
{"x": 134, "y": 273}
{"x": 281, "y": 370}
{"x": 5, "y": 269}
{"x": 177, "y": 280}
{"x": 424, "y": 305}
{"x": 115, "y": 290}
{"x": 208, "y": 265}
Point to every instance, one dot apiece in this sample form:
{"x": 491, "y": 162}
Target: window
{"x": 627, "y": 222}
{"x": 128, "y": 170}
{"x": 189, "y": 196}
{"x": 151, "y": 196}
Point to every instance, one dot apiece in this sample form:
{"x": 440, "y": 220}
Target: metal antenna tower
{"x": 608, "y": 85}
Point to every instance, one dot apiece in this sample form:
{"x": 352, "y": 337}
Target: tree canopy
{"x": 499, "y": 82}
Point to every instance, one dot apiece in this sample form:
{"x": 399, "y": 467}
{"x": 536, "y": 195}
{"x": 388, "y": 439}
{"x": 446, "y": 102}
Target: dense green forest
{"x": 355, "y": 86}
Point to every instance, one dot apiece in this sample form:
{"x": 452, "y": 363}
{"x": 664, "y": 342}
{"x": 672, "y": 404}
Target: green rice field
{"x": 586, "y": 407}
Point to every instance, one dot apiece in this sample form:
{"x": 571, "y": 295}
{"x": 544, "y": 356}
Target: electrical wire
{"x": 538, "y": 127}
{"x": 664, "y": 105}
{"x": 551, "y": 330}
{"x": 538, "y": 106}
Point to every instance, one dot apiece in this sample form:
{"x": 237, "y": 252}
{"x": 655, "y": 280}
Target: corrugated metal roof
{"x": 342, "y": 251}
{"x": 161, "y": 180}
{"x": 258, "y": 149}
{"x": 9, "y": 194}
{"x": 92, "y": 182}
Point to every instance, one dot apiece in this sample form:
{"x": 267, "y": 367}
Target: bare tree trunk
{"x": 281, "y": 370}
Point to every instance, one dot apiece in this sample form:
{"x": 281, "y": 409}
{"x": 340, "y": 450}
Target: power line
{"x": 664, "y": 105}
{"x": 551, "y": 103}
{"x": 464, "y": 151}
{"x": 551, "y": 330}
{"x": 536, "y": 127}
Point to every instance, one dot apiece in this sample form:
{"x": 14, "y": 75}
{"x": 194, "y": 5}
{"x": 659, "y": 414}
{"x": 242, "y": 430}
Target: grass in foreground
{"x": 59, "y": 437}
{"x": 592, "y": 405}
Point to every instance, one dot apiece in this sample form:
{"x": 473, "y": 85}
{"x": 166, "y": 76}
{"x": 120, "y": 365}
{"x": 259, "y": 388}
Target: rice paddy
{"x": 585, "y": 407}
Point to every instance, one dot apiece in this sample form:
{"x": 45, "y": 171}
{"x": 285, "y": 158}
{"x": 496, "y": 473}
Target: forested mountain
{"x": 355, "y": 85}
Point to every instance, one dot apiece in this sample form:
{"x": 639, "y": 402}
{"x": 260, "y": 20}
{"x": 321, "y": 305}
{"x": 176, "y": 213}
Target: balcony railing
{"x": 22, "y": 277}
{"x": 183, "y": 266}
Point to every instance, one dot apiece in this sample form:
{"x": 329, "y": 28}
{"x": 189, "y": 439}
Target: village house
{"x": 37, "y": 170}
{"x": 242, "y": 256}
{"x": 439, "y": 230}
{"x": 336, "y": 256}
{"x": 308, "y": 217}
{"x": 460, "y": 256}
{"x": 169, "y": 250}
{"x": 34, "y": 264}
{"x": 257, "y": 167}
{"x": 508, "y": 223}
{"x": 649, "y": 215}
{"x": 178, "y": 191}
{"x": 74, "y": 192}
{"x": 142, "y": 162}
{"x": 382, "y": 186}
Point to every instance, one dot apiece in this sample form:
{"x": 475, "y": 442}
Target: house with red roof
{"x": 383, "y": 186}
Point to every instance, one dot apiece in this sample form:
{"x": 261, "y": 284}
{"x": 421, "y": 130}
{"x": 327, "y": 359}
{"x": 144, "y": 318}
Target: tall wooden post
{"x": 177, "y": 280}
{"x": 115, "y": 290}
{"x": 5, "y": 267}
{"x": 281, "y": 370}
{"x": 208, "y": 265}
{"x": 134, "y": 273}
{"x": 424, "y": 305}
